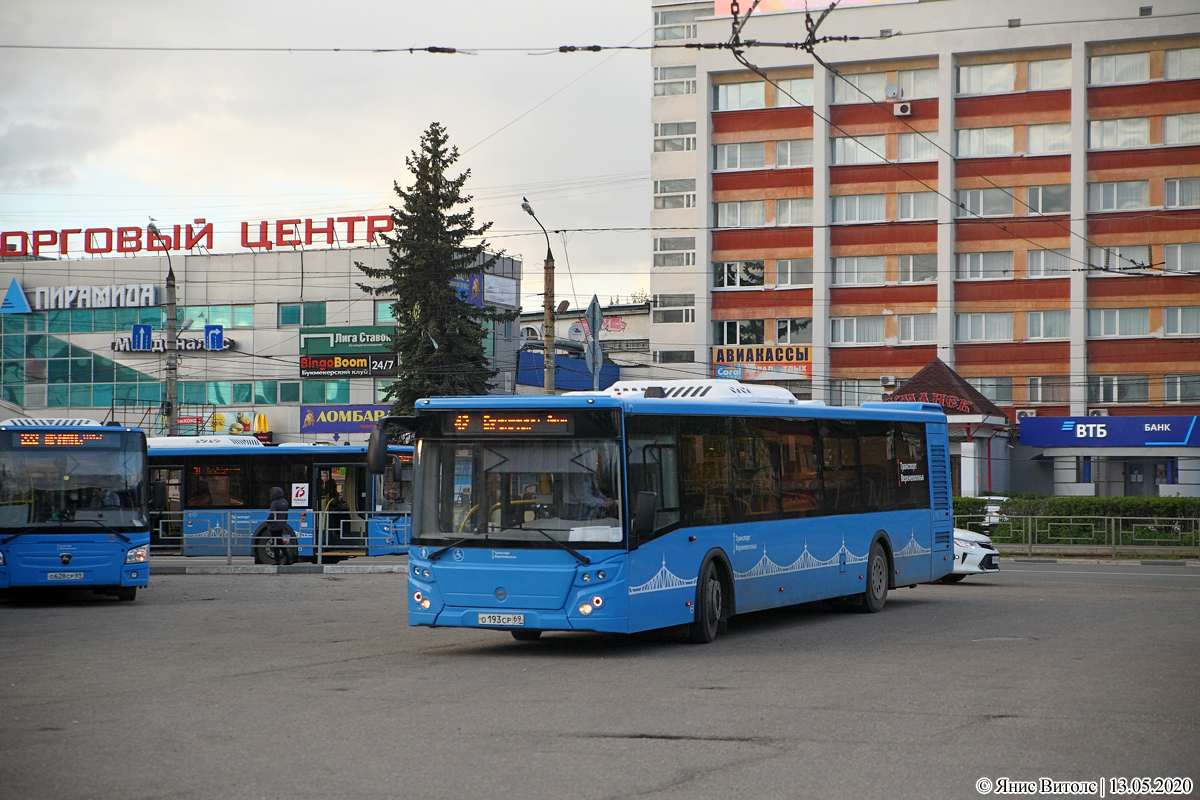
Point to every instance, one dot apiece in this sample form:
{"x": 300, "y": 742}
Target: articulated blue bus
{"x": 669, "y": 503}
{"x": 213, "y": 497}
{"x": 73, "y": 506}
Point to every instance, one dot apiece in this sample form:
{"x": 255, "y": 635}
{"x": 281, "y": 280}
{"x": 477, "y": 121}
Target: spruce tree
{"x": 438, "y": 341}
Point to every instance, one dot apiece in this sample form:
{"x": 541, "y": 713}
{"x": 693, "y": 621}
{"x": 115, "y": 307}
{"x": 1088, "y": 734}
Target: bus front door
{"x": 342, "y": 494}
{"x": 166, "y": 509}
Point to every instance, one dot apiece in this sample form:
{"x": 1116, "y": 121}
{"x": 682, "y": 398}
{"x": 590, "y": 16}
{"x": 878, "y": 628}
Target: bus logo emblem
{"x": 65, "y": 558}
{"x": 501, "y": 594}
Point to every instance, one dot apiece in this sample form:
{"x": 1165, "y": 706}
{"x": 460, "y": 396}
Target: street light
{"x": 547, "y": 306}
{"x": 169, "y": 405}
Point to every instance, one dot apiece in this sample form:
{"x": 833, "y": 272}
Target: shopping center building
{"x": 1012, "y": 188}
{"x": 301, "y": 351}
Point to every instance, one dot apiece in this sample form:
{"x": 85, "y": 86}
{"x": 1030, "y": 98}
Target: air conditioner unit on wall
{"x": 1097, "y": 412}
{"x": 887, "y": 380}
{"x": 902, "y": 109}
{"x": 1022, "y": 413}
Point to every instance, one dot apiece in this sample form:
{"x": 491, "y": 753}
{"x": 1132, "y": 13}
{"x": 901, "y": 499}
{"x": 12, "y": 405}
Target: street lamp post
{"x": 170, "y": 406}
{"x": 548, "y": 306}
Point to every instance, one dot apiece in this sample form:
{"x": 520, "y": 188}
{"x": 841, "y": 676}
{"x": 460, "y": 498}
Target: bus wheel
{"x": 526, "y": 636}
{"x": 709, "y": 606}
{"x": 877, "y": 581}
{"x": 265, "y": 551}
{"x": 127, "y": 593}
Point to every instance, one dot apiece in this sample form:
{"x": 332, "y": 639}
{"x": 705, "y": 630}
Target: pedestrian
{"x": 277, "y": 524}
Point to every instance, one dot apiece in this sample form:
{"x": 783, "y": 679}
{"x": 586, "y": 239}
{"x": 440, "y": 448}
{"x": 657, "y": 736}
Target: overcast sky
{"x": 106, "y": 139}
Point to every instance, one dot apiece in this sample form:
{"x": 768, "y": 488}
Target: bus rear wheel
{"x": 875, "y": 596}
{"x": 526, "y": 636}
{"x": 709, "y": 605}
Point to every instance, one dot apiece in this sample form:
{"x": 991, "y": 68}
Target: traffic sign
{"x": 140, "y": 340}
{"x": 214, "y": 337}
{"x": 593, "y": 356}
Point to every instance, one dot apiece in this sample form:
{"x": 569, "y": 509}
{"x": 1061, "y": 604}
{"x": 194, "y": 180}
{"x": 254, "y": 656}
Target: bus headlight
{"x": 425, "y": 604}
{"x": 585, "y": 609}
{"x": 138, "y": 555}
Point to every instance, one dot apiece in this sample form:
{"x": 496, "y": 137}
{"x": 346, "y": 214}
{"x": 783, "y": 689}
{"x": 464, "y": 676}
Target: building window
{"x": 1053, "y": 137}
{"x": 985, "y": 203}
{"x": 743, "y": 214}
{"x": 741, "y": 155}
{"x": 1181, "y": 128}
{"x": 847, "y": 392}
{"x": 670, "y": 81}
{"x": 1182, "y": 257}
{"x": 1125, "y": 68}
{"x": 797, "y": 330}
{"x": 793, "y": 211}
{"x": 1048, "y": 389}
{"x": 674, "y": 356}
{"x": 289, "y": 392}
{"x": 1054, "y": 198}
{"x": 1183, "y": 64}
{"x": 859, "y": 208}
{"x": 1051, "y": 73}
{"x": 918, "y": 328}
{"x": 1105, "y": 323}
{"x": 384, "y": 315}
{"x": 1118, "y": 388}
{"x": 1182, "y": 320}
{"x": 985, "y": 266}
{"x": 739, "y": 96}
{"x": 858, "y": 149}
{"x": 917, "y": 205}
{"x": 1181, "y": 388}
{"x": 984, "y": 142}
{"x": 794, "y": 153}
{"x": 997, "y": 389}
{"x": 793, "y": 92}
{"x": 858, "y": 270}
{"x": 1048, "y": 324}
{"x": 1117, "y": 260}
{"x": 739, "y": 331}
{"x": 266, "y": 393}
{"x": 915, "y": 83}
{"x": 916, "y": 147}
{"x": 675, "y": 24}
{"x": 381, "y": 387}
{"x": 674, "y": 308}
{"x": 301, "y": 314}
{"x": 1119, "y": 134}
{"x": 1118, "y": 196}
{"x": 673, "y": 137}
{"x": 987, "y": 78}
{"x": 864, "y": 87}
{"x": 676, "y": 251}
{"x": 918, "y": 268}
{"x": 678, "y": 193}
{"x": 1047, "y": 263}
{"x": 1182, "y": 193}
{"x": 793, "y": 272}
{"x": 736, "y": 274}
{"x": 855, "y": 330}
{"x": 987, "y": 327}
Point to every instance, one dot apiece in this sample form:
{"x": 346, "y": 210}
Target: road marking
{"x": 1122, "y": 574}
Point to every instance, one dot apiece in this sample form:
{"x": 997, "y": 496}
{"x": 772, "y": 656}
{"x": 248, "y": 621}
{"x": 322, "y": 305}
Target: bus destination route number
{"x": 491, "y": 423}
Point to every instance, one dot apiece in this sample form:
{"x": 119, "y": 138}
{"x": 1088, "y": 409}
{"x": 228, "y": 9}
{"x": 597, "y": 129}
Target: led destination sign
{"x": 65, "y": 439}
{"x": 508, "y": 423}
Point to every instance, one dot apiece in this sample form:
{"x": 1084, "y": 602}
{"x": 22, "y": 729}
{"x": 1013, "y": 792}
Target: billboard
{"x": 340, "y": 419}
{"x": 362, "y": 351}
{"x": 766, "y": 363}
{"x": 1110, "y": 431}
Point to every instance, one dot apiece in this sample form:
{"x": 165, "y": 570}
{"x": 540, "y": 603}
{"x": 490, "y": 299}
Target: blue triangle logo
{"x": 14, "y": 301}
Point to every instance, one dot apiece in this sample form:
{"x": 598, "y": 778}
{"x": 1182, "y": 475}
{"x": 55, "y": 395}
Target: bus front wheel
{"x": 875, "y": 596}
{"x": 266, "y": 551}
{"x": 709, "y": 605}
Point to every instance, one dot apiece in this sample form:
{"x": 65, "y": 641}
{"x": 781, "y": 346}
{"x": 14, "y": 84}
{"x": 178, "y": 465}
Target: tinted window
{"x": 280, "y": 471}
{"x": 800, "y": 481}
{"x": 839, "y": 451}
{"x": 653, "y": 459}
{"x": 217, "y": 482}
{"x": 756, "y": 469}
{"x": 912, "y": 480}
{"x": 704, "y": 467}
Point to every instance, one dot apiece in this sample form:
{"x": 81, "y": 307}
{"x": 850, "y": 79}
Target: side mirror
{"x": 397, "y": 470}
{"x": 158, "y": 500}
{"x": 377, "y": 452}
{"x": 645, "y": 510}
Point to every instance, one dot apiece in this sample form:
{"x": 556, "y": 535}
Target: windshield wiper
{"x": 584, "y": 560}
{"x": 124, "y": 538}
{"x": 17, "y": 535}
{"x": 436, "y": 554}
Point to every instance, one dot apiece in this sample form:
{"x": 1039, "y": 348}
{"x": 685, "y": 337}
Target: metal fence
{"x": 1166, "y": 535}
{"x": 327, "y": 536}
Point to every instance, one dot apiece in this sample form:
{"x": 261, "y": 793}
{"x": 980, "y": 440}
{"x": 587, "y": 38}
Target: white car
{"x": 974, "y": 554}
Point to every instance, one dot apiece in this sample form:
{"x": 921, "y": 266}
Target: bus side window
{"x": 704, "y": 463}
{"x": 654, "y": 467}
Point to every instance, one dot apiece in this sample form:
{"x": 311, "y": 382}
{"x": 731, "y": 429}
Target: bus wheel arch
{"x": 885, "y": 542}
{"x": 879, "y": 575}
{"x": 714, "y": 602}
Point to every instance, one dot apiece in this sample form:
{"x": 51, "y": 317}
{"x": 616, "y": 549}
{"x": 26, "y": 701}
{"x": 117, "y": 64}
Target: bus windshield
{"x": 519, "y": 492}
{"x": 89, "y": 486}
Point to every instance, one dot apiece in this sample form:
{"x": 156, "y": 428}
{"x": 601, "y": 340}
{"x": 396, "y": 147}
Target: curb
{"x": 262, "y": 569}
{"x": 1106, "y": 562}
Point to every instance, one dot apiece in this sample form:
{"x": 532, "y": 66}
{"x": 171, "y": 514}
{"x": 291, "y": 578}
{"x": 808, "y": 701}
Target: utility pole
{"x": 548, "y": 384}
{"x": 170, "y": 405}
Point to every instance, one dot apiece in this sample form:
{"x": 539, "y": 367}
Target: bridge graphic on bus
{"x": 806, "y": 561}
{"x": 912, "y": 548}
{"x": 663, "y": 580}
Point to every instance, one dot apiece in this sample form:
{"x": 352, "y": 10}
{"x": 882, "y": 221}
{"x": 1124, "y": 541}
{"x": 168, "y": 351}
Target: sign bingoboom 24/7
{"x": 199, "y": 233}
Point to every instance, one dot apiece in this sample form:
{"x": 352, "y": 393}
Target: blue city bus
{"x": 73, "y": 506}
{"x": 671, "y": 503}
{"x": 213, "y": 496}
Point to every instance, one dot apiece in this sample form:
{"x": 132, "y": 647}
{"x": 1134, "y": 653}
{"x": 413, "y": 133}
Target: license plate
{"x": 501, "y": 619}
{"x": 64, "y": 576}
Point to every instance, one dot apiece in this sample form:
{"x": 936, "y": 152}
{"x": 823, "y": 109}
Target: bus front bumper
{"x": 530, "y": 619}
